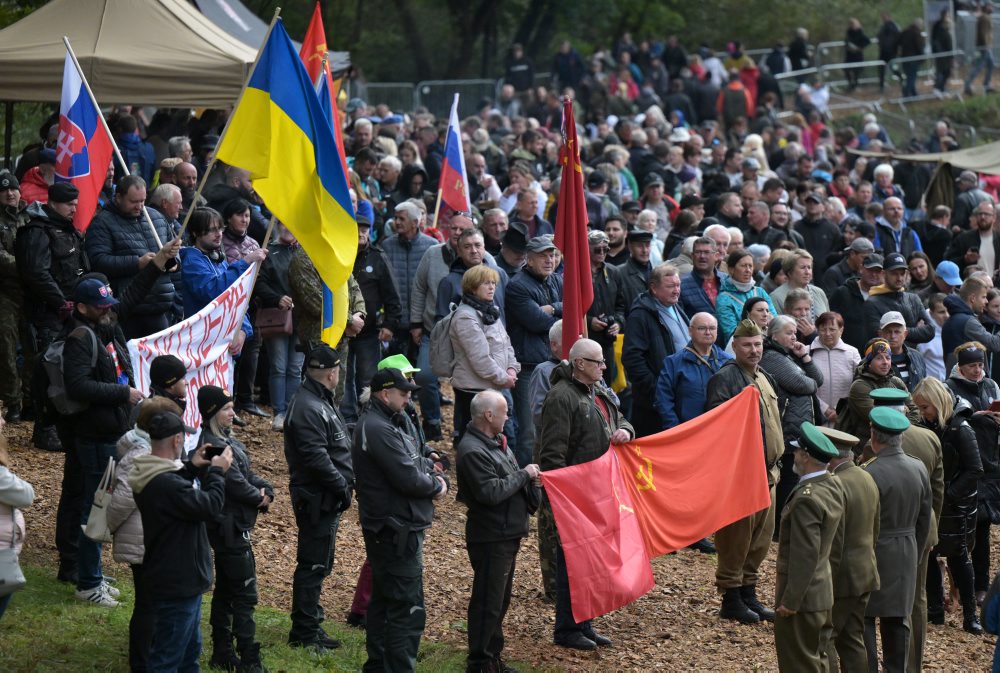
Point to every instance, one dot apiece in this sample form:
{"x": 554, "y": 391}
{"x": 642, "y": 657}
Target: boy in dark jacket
{"x": 177, "y": 562}
{"x": 235, "y": 568}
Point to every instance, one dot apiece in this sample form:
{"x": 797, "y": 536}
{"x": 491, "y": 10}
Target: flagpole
{"x": 104, "y": 124}
{"x": 225, "y": 129}
{"x": 437, "y": 207}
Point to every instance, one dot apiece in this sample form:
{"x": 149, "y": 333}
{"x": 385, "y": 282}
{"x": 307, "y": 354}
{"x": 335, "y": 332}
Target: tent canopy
{"x": 156, "y": 52}
{"x": 981, "y": 159}
{"x": 234, "y": 18}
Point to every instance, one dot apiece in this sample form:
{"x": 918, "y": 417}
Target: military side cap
{"x": 888, "y": 420}
{"x": 747, "y": 328}
{"x": 840, "y": 439}
{"x": 889, "y": 397}
{"x": 399, "y": 362}
{"x": 816, "y": 444}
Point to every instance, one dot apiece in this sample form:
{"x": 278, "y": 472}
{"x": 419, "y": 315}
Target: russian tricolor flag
{"x": 454, "y": 184}
{"x": 83, "y": 150}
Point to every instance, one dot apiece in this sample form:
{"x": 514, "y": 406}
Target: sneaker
{"x": 97, "y": 596}
{"x": 278, "y": 424}
{"x": 110, "y": 590}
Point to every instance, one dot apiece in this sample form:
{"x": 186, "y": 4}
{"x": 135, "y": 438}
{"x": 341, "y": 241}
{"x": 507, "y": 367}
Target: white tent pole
{"x": 225, "y": 129}
{"x": 107, "y": 130}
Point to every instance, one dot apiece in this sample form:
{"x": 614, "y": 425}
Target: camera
{"x": 609, "y": 319}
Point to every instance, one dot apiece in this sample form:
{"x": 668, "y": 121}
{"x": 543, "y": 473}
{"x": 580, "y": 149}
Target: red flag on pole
{"x": 313, "y": 55}
{"x": 571, "y": 235}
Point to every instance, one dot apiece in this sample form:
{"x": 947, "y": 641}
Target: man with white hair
{"x": 579, "y": 422}
{"x": 883, "y": 187}
{"x": 701, "y": 287}
{"x": 362, "y": 136}
{"x": 735, "y": 239}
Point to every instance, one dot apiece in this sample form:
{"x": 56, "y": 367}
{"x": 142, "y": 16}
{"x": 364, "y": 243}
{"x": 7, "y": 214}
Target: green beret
{"x": 747, "y": 328}
{"x": 889, "y": 420}
{"x": 816, "y": 444}
{"x": 889, "y": 397}
{"x": 840, "y": 439}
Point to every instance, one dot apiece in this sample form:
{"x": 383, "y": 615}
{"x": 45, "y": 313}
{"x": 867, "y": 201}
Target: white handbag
{"x": 11, "y": 576}
{"x": 97, "y": 522}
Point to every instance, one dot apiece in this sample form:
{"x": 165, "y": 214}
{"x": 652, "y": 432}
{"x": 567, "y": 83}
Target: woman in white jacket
{"x": 15, "y": 494}
{"x": 484, "y": 357}
{"x": 836, "y": 360}
{"x": 126, "y": 525}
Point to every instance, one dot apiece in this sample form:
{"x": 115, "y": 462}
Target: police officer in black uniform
{"x": 321, "y": 483}
{"x": 396, "y": 489}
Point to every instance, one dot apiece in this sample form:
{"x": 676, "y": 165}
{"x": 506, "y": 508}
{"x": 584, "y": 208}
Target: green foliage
{"x": 46, "y": 629}
{"x": 28, "y": 117}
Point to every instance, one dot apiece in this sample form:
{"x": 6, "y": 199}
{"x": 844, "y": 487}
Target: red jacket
{"x": 34, "y": 188}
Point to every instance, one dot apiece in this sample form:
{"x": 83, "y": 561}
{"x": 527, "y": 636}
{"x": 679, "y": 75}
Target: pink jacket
{"x": 15, "y": 494}
{"x": 837, "y": 366}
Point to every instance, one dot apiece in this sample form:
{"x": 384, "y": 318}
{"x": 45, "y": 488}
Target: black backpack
{"x": 52, "y": 366}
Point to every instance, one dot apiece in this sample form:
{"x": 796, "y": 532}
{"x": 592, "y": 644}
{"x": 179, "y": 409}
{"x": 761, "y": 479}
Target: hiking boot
{"x": 749, "y": 596}
{"x": 14, "y": 414}
{"x": 576, "y": 641}
{"x": 278, "y": 424}
{"x": 46, "y": 438}
{"x": 326, "y": 641}
{"x": 432, "y": 432}
{"x": 734, "y": 608}
{"x": 97, "y": 596}
{"x": 250, "y": 660}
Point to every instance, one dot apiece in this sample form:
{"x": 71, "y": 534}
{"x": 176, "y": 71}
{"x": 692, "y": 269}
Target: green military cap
{"x": 399, "y": 362}
{"x": 840, "y": 439}
{"x": 816, "y": 444}
{"x": 747, "y": 328}
{"x": 889, "y": 397}
{"x": 889, "y": 420}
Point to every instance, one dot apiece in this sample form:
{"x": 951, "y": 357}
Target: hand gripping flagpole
{"x": 104, "y": 124}
{"x": 225, "y": 129}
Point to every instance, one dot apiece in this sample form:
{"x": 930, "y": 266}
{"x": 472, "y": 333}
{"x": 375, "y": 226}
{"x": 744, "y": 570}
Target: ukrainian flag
{"x": 279, "y": 133}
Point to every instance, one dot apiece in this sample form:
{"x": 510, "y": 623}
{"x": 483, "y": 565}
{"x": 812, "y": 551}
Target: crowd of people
{"x": 729, "y": 247}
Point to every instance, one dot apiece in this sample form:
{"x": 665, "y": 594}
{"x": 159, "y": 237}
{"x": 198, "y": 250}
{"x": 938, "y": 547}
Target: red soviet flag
{"x": 690, "y": 481}
{"x": 606, "y": 559}
{"x": 313, "y": 51}
{"x": 571, "y": 235}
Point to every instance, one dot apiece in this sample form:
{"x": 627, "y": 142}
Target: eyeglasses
{"x": 603, "y": 250}
{"x": 601, "y": 362}
{"x": 707, "y": 328}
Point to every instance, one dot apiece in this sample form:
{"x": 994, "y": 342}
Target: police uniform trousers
{"x": 396, "y": 613}
{"x": 313, "y": 563}
{"x": 493, "y": 579}
{"x": 235, "y": 594}
{"x": 847, "y": 643}
{"x": 802, "y": 640}
{"x": 895, "y": 632}
{"x": 742, "y": 546}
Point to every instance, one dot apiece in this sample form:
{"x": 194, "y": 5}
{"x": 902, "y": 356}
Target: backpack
{"x": 52, "y": 365}
{"x": 440, "y": 351}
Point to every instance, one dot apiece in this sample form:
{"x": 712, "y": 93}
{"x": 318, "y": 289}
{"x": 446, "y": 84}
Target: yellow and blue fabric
{"x": 281, "y": 135}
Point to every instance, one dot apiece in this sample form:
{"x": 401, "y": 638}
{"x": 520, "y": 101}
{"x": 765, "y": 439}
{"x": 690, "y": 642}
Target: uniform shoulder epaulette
{"x": 869, "y": 461}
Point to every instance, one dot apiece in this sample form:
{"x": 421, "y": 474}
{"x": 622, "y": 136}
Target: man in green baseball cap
{"x": 399, "y": 362}
{"x": 905, "y": 514}
{"x": 811, "y": 519}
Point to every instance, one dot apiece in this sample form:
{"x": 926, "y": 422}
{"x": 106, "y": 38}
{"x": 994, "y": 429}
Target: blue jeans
{"x": 177, "y": 635}
{"x": 525, "y": 447}
{"x": 429, "y": 394}
{"x": 285, "y": 374}
{"x": 984, "y": 58}
{"x": 93, "y": 457}
{"x": 362, "y": 363}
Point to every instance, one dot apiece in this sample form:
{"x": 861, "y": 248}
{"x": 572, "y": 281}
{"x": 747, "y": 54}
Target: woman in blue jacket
{"x": 736, "y": 289}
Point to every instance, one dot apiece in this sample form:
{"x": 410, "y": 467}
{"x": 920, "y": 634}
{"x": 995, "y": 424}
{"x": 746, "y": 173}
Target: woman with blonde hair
{"x": 948, "y": 418}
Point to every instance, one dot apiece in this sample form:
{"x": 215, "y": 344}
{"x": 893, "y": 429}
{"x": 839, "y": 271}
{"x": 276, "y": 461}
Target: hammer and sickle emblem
{"x": 644, "y": 477}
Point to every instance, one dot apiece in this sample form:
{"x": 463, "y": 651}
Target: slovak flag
{"x": 454, "y": 184}
{"x": 83, "y": 150}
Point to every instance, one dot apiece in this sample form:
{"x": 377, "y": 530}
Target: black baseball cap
{"x": 323, "y": 357}
{"x": 894, "y": 260}
{"x": 390, "y": 377}
{"x": 166, "y": 424}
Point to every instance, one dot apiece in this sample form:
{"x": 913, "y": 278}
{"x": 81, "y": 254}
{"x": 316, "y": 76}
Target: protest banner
{"x": 201, "y": 342}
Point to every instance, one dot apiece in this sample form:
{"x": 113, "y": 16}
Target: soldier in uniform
{"x": 742, "y": 545}
{"x": 925, "y": 446}
{"x": 810, "y": 543}
{"x": 321, "y": 482}
{"x": 397, "y": 487}
{"x": 307, "y": 296}
{"x": 904, "y": 522}
{"x": 12, "y": 218}
{"x": 857, "y": 574}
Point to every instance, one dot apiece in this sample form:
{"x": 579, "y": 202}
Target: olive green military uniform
{"x": 11, "y": 219}
{"x": 811, "y": 521}
{"x": 857, "y": 575}
{"x": 307, "y": 293}
{"x": 742, "y": 545}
